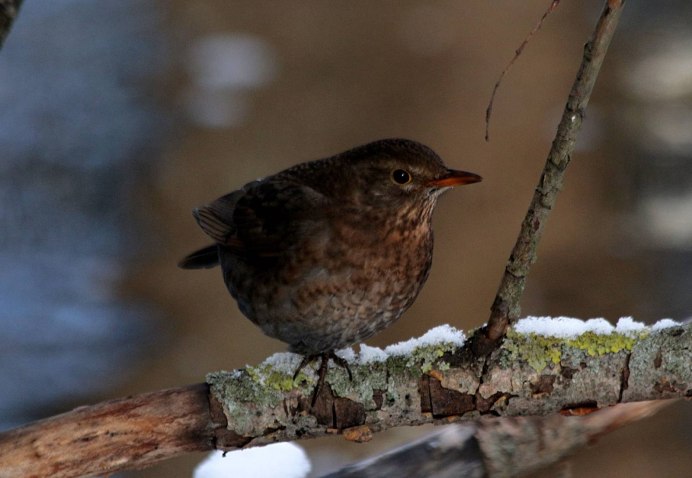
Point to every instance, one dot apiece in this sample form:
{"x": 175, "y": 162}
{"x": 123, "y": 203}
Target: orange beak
{"x": 454, "y": 178}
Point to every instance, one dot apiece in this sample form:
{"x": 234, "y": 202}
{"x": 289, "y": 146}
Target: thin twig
{"x": 517, "y": 53}
{"x": 506, "y": 308}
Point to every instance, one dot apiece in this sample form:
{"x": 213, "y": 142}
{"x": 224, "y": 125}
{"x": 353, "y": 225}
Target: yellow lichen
{"x": 268, "y": 376}
{"x": 540, "y": 351}
{"x": 596, "y": 344}
{"x": 427, "y": 356}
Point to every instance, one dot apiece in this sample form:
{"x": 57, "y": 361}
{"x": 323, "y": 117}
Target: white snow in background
{"x": 569, "y": 328}
{"x": 280, "y": 460}
{"x": 437, "y": 335}
{"x": 224, "y": 69}
{"x": 216, "y": 108}
{"x": 668, "y": 219}
{"x": 665, "y": 71}
{"x": 231, "y": 60}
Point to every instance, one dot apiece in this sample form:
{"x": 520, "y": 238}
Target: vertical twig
{"x": 506, "y": 308}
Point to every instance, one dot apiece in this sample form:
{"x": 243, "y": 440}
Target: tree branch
{"x": 441, "y": 383}
{"x": 505, "y": 307}
{"x": 128, "y": 433}
{"x": 527, "y": 375}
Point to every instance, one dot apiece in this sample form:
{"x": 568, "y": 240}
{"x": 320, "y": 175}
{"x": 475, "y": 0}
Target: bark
{"x": 528, "y": 375}
{"x": 128, "y": 433}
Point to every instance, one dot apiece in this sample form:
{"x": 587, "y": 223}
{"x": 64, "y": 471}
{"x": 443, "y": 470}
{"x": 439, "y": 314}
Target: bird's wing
{"x": 263, "y": 219}
{"x": 216, "y": 219}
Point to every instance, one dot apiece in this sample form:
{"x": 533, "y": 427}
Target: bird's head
{"x": 393, "y": 173}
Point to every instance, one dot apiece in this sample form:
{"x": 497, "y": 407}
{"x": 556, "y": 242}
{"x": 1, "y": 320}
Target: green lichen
{"x": 246, "y": 386}
{"x": 366, "y": 378}
{"x": 242, "y": 394}
{"x": 268, "y": 376}
{"x": 596, "y": 345}
{"x": 540, "y": 351}
{"x": 425, "y": 357}
{"x": 442, "y": 366}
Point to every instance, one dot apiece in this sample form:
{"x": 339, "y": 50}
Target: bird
{"x": 326, "y": 253}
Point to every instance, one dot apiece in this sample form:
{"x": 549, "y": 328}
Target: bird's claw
{"x": 322, "y": 371}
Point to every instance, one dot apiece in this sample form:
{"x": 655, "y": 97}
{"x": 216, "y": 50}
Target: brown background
{"x": 350, "y": 72}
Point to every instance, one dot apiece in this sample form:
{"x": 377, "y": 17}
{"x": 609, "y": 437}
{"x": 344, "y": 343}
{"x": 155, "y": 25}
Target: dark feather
{"x": 216, "y": 219}
{"x": 261, "y": 219}
{"x": 204, "y": 258}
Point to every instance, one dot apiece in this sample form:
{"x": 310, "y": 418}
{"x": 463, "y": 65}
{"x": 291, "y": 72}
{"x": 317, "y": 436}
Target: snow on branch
{"x": 539, "y": 372}
{"x": 433, "y": 379}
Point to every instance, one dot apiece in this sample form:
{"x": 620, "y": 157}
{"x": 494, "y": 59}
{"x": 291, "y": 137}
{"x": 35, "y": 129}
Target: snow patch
{"x": 665, "y": 324}
{"x": 347, "y": 354}
{"x": 570, "y": 328}
{"x": 629, "y": 326}
{"x": 371, "y": 354}
{"x": 280, "y": 460}
{"x": 562, "y": 327}
{"x": 442, "y": 334}
{"x": 283, "y": 362}
{"x": 287, "y": 362}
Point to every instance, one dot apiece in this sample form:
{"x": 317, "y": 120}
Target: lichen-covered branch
{"x": 440, "y": 383}
{"x": 505, "y": 308}
{"x": 527, "y": 375}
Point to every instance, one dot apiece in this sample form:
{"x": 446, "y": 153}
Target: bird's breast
{"x": 351, "y": 277}
{"x": 394, "y": 248}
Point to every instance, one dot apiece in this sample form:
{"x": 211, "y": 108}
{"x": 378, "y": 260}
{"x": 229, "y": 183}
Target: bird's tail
{"x": 204, "y": 258}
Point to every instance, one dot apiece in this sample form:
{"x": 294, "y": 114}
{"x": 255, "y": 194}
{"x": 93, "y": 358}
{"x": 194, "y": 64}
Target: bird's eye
{"x": 401, "y": 176}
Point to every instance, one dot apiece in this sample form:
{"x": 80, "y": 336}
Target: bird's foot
{"x": 322, "y": 371}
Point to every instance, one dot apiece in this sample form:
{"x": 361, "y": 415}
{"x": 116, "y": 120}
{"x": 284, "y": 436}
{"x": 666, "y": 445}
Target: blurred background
{"x": 119, "y": 117}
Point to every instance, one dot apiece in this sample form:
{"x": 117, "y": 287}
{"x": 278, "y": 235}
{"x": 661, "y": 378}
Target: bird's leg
{"x": 322, "y": 371}
{"x": 305, "y": 362}
{"x": 321, "y": 375}
{"x": 340, "y": 362}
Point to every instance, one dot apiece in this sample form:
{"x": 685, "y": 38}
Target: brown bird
{"x": 326, "y": 253}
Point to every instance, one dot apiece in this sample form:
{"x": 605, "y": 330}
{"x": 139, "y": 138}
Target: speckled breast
{"x": 337, "y": 286}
